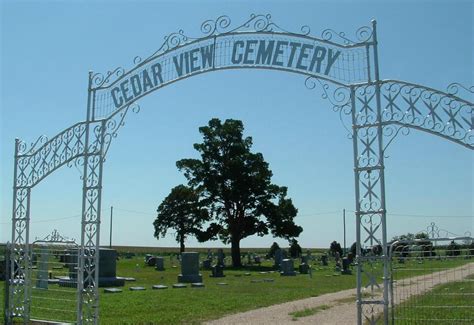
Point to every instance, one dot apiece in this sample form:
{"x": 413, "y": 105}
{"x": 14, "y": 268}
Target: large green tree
{"x": 236, "y": 186}
{"x": 181, "y": 211}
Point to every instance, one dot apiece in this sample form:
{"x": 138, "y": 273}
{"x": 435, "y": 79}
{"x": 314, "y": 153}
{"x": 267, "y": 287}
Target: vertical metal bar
{"x": 344, "y": 225}
{"x": 81, "y": 252}
{"x": 13, "y": 255}
{"x": 357, "y": 203}
{"x": 381, "y": 176}
{"x": 6, "y": 314}
{"x": 27, "y": 280}
{"x": 111, "y": 220}
{"x": 99, "y": 209}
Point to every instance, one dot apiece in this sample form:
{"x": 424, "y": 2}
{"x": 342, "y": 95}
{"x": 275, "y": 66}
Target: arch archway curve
{"x": 348, "y": 76}
{"x": 258, "y": 43}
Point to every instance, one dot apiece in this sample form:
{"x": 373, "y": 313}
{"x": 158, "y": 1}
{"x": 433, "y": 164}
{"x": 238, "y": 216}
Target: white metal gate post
{"x": 371, "y": 234}
{"x": 88, "y": 270}
{"x": 19, "y": 300}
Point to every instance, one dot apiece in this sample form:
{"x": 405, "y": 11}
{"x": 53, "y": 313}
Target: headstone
{"x": 137, "y": 288}
{"x": 179, "y": 286}
{"x": 220, "y": 257}
{"x": 350, "y": 256}
{"x": 287, "y": 268}
{"x": 129, "y": 255}
{"x": 160, "y": 263}
{"x": 42, "y": 274}
{"x": 346, "y": 266}
{"x": 107, "y": 270}
{"x": 206, "y": 264}
{"x": 197, "y": 285}
{"x": 278, "y": 258}
{"x": 159, "y": 287}
{"x": 303, "y": 268}
{"x": 257, "y": 259}
{"x": 151, "y": 261}
{"x": 112, "y": 290}
{"x": 147, "y": 257}
{"x": 217, "y": 271}
{"x": 189, "y": 268}
{"x": 268, "y": 280}
{"x": 324, "y": 260}
{"x": 222, "y": 283}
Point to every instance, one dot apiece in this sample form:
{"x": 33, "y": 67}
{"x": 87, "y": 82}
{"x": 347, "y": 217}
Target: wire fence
{"x": 53, "y": 282}
{"x": 432, "y": 281}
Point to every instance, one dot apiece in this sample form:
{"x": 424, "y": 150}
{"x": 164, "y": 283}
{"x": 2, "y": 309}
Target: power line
{"x": 48, "y": 220}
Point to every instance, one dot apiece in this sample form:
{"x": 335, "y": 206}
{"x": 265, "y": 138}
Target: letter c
{"x": 238, "y": 59}
{"x": 117, "y": 101}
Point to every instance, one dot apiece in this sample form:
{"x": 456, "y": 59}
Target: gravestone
{"x": 160, "y": 263}
{"x": 257, "y": 259}
{"x": 324, "y": 260}
{"x": 220, "y": 257}
{"x": 151, "y": 261}
{"x": 346, "y": 266}
{"x": 107, "y": 270}
{"x": 278, "y": 258}
{"x": 287, "y": 268}
{"x": 303, "y": 268}
{"x": 217, "y": 271}
{"x": 42, "y": 273}
{"x": 189, "y": 268}
{"x": 206, "y": 264}
{"x": 129, "y": 255}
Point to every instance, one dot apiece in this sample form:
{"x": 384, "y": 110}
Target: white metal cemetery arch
{"x": 347, "y": 73}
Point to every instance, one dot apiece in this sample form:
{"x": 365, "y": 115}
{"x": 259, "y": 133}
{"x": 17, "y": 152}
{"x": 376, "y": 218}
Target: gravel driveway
{"x": 340, "y": 306}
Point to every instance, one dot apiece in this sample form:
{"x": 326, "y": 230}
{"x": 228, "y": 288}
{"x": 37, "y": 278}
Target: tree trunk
{"x": 181, "y": 244}
{"x": 235, "y": 251}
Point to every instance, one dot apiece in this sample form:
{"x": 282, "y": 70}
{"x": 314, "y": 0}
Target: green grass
{"x": 308, "y": 311}
{"x": 451, "y": 303}
{"x": 192, "y": 305}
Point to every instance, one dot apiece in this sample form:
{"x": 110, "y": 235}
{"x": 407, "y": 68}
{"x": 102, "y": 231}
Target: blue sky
{"x": 48, "y": 47}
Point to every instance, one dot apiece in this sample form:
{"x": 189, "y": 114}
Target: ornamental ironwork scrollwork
{"x": 363, "y": 35}
{"x": 44, "y": 156}
{"x": 101, "y": 80}
{"x": 112, "y": 125}
{"x": 455, "y": 87}
{"x": 391, "y": 131}
{"x": 429, "y": 110}
{"x": 56, "y": 237}
{"x": 338, "y": 96}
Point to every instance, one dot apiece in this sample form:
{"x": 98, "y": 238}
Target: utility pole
{"x": 344, "y": 222}
{"x": 111, "y": 218}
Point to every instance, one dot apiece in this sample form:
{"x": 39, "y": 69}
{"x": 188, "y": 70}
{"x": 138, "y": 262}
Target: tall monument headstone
{"x": 189, "y": 268}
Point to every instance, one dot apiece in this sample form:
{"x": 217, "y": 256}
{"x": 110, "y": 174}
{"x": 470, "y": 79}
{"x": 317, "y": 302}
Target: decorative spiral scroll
{"x": 339, "y": 97}
{"x": 101, "y": 80}
{"x": 455, "y": 87}
{"x": 112, "y": 125}
{"x": 391, "y": 132}
{"x": 363, "y": 35}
